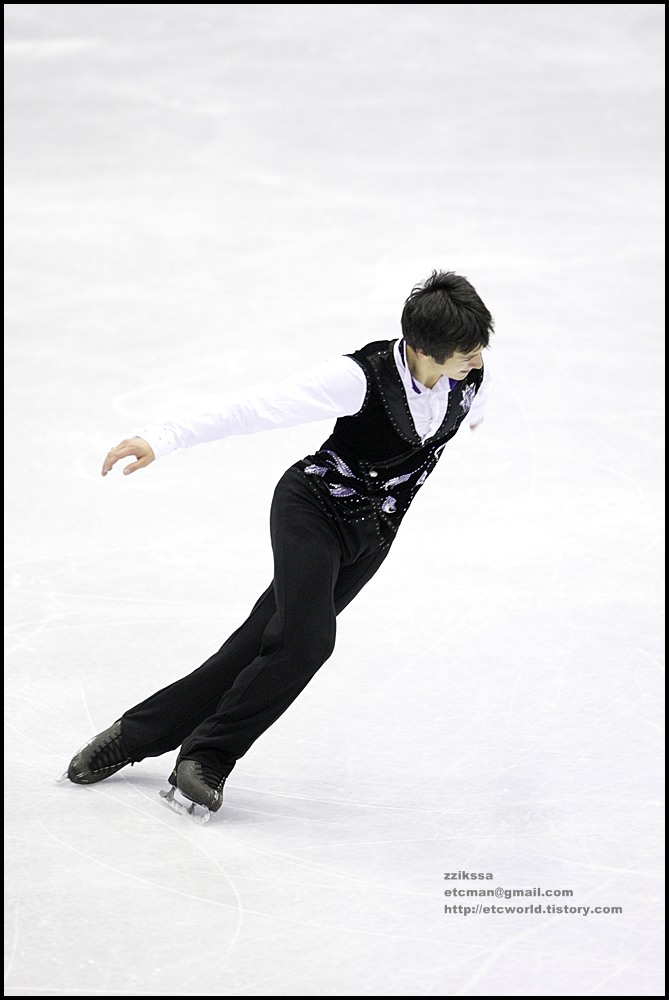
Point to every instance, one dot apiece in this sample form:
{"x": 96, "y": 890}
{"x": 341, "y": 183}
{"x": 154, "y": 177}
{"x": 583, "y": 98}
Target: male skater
{"x": 333, "y": 519}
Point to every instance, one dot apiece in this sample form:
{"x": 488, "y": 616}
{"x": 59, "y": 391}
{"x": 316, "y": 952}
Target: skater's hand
{"x": 136, "y": 446}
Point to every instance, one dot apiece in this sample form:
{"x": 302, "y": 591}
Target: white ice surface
{"x": 201, "y": 197}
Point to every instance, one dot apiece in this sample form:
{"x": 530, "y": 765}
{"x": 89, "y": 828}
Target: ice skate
{"x": 101, "y": 757}
{"x": 196, "y": 790}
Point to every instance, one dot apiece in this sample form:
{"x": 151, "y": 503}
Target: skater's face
{"x": 458, "y": 366}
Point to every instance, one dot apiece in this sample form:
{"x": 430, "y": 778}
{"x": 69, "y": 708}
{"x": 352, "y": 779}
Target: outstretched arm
{"x": 137, "y": 447}
{"x": 334, "y": 388}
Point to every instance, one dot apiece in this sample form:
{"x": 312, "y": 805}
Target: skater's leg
{"x": 161, "y": 722}
{"x": 107, "y": 753}
{"x": 164, "y": 720}
{"x": 298, "y": 639}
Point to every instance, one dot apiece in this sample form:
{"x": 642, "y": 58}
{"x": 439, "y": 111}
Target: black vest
{"x": 374, "y": 463}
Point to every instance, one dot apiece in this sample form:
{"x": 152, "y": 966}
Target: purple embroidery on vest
{"x": 468, "y": 397}
{"x": 397, "y": 480}
{"x": 337, "y": 490}
{"x": 316, "y": 470}
{"x": 389, "y": 504}
{"x": 339, "y": 464}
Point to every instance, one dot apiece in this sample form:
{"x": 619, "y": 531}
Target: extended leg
{"x": 162, "y": 721}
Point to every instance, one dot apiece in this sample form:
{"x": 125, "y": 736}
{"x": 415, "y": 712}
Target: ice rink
{"x": 202, "y": 197}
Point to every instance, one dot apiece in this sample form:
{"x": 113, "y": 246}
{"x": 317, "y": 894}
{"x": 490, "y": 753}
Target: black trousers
{"x": 216, "y": 713}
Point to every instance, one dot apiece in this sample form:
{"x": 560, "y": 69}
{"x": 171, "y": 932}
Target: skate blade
{"x": 176, "y": 801}
{"x": 64, "y": 777}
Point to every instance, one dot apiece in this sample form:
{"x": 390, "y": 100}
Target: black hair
{"x": 444, "y": 315}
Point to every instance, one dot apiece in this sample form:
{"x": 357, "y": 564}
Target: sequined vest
{"x": 374, "y": 463}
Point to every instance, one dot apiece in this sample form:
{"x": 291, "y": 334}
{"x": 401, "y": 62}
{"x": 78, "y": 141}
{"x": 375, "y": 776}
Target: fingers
{"x": 114, "y": 455}
{"x": 134, "y": 466}
{"x": 135, "y": 447}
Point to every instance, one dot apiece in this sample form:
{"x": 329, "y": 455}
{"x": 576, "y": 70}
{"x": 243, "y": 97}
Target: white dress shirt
{"x": 331, "y": 389}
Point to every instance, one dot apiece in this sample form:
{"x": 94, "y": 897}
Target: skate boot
{"x": 197, "y": 790}
{"x": 102, "y": 756}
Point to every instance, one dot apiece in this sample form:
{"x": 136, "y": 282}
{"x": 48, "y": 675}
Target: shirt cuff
{"x": 162, "y": 439}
